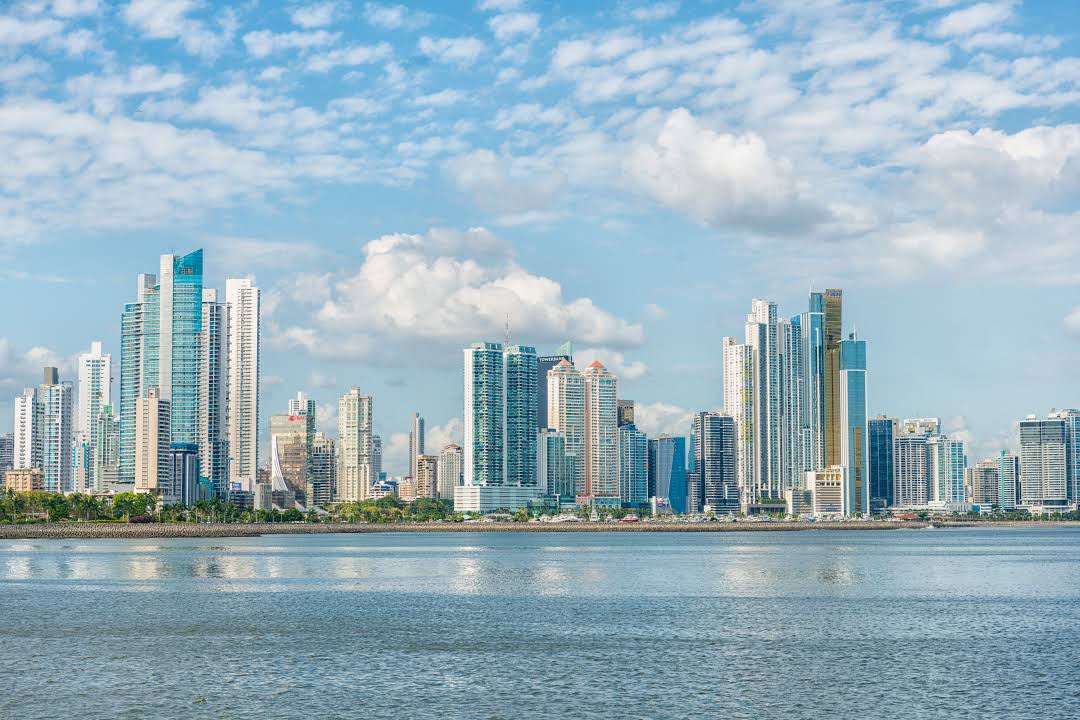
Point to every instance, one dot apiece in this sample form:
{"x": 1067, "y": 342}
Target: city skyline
{"x": 401, "y": 182}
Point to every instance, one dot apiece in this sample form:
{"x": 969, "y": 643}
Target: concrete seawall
{"x": 212, "y": 530}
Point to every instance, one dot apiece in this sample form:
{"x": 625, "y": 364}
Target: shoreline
{"x": 90, "y": 530}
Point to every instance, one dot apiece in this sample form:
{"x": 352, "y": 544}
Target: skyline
{"x": 355, "y": 218}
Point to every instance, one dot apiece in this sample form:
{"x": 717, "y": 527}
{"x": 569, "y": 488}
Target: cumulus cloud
{"x": 444, "y": 289}
{"x": 720, "y": 179}
{"x": 463, "y": 51}
{"x": 394, "y": 17}
{"x": 19, "y": 369}
{"x": 509, "y": 25}
{"x": 660, "y": 418}
{"x": 169, "y": 19}
{"x": 615, "y": 361}
{"x": 1072, "y": 321}
{"x": 975, "y": 17}
{"x": 313, "y": 16}
{"x": 350, "y": 56}
{"x": 506, "y": 185}
{"x": 262, "y": 43}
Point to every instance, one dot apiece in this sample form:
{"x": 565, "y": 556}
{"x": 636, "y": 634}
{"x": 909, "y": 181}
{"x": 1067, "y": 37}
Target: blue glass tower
{"x": 879, "y": 436}
{"x": 853, "y": 412}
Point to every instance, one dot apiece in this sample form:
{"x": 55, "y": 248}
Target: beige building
{"x": 24, "y": 479}
{"x": 153, "y": 432}
{"x": 407, "y": 489}
{"x": 826, "y": 489}
{"x": 427, "y": 476}
{"x": 355, "y": 446}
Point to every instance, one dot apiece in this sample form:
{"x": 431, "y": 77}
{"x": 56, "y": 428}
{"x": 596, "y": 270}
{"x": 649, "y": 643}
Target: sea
{"x": 930, "y": 623}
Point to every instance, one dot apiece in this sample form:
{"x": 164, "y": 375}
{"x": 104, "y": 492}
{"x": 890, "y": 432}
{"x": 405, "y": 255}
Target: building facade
{"x": 243, "y": 307}
{"x": 356, "y": 452}
{"x": 633, "y": 466}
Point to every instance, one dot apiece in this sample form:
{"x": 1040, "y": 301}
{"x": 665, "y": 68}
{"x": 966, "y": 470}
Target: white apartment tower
{"x": 355, "y": 446}
{"x": 153, "y": 430}
{"x": 213, "y": 398}
{"x": 95, "y": 392}
{"x": 739, "y": 384}
{"x": 566, "y": 415}
{"x": 27, "y": 440}
{"x": 242, "y": 301}
{"x": 601, "y": 434}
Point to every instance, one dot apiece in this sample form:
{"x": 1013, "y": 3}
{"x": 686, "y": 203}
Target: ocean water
{"x": 959, "y": 623}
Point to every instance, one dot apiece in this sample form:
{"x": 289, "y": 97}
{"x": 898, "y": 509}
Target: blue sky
{"x": 399, "y": 179}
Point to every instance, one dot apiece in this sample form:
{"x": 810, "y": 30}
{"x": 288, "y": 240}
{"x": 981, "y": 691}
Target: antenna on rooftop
{"x": 507, "y": 329}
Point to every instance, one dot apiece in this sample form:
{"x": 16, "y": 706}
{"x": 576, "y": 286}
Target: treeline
{"x": 42, "y": 506}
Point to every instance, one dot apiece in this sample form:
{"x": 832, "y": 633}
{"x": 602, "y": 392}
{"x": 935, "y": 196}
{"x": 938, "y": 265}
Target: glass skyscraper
{"x": 667, "y": 471}
{"x": 853, "y": 412}
{"x": 633, "y": 465}
{"x": 714, "y": 462}
{"x": 879, "y": 436}
{"x": 521, "y": 371}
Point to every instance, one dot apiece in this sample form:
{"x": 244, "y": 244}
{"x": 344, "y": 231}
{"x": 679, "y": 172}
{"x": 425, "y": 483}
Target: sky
{"x": 401, "y": 180}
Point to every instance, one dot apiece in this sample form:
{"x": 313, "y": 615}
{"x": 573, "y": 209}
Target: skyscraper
{"x": 427, "y": 476}
{"x": 947, "y": 465}
{"x": 633, "y": 465}
{"x": 1043, "y": 466}
{"x": 292, "y": 439}
{"x": 1010, "y": 481}
{"x": 545, "y": 363}
{"x": 739, "y": 404}
{"x": 566, "y": 415}
{"x": 1071, "y": 418}
{"x": 320, "y": 490}
{"x": 484, "y": 419}
{"x": 714, "y": 463}
{"x": 449, "y": 471}
{"x": 57, "y": 423}
{"x": 521, "y": 368}
{"x": 161, "y": 338}
{"x": 667, "y": 471}
{"x": 985, "y": 483}
{"x": 625, "y": 412}
{"x": 762, "y": 336}
{"x": 26, "y": 443}
{"x": 832, "y": 302}
{"x": 880, "y": 432}
{"x": 242, "y": 301}
{"x": 152, "y": 458}
{"x": 853, "y": 416}
{"x": 812, "y": 412}
{"x": 7, "y": 454}
{"x": 793, "y": 456}
{"x": 213, "y": 388}
{"x": 554, "y": 467}
{"x": 500, "y": 431}
{"x": 95, "y": 391}
{"x": 416, "y": 442}
{"x": 356, "y": 451}
{"x": 107, "y": 450}
{"x": 912, "y": 485}
{"x": 601, "y": 435}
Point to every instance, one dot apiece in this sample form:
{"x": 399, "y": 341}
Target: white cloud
{"x": 24, "y": 369}
{"x": 16, "y": 31}
{"x": 437, "y": 437}
{"x": 448, "y": 288}
{"x": 506, "y": 185}
{"x": 349, "y": 57}
{"x": 394, "y": 17}
{"x": 655, "y": 11}
{"x": 313, "y": 16}
{"x": 975, "y": 17}
{"x": 510, "y": 25}
{"x": 442, "y": 98}
{"x": 1072, "y": 321}
{"x": 720, "y": 179}
{"x": 105, "y": 92}
{"x": 75, "y": 8}
{"x": 234, "y": 254}
{"x": 661, "y": 418}
{"x": 262, "y": 43}
{"x": 321, "y": 380}
{"x": 462, "y": 51}
{"x": 655, "y": 312}
{"x": 498, "y": 5}
{"x": 168, "y": 19}
{"x": 615, "y": 361}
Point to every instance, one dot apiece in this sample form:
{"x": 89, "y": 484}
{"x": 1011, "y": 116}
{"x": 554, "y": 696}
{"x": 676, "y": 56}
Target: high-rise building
{"x": 625, "y": 412}
{"x": 7, "y": 454}
{"x": 828, "y": 490}
{"x": 1071, "y": 418}
{"x": 739, "y": 404}
{"x": 292, "y": 438}
{"x": 184, "y": 475}
{"x": 947, "y": 465}
{"x": 357, "y": 454}
{"x": 57, "y": 423}
{"x": 416, "y": 442}
{"x": 912, "y": 485}
{"x": 242, "y": 302}
{"x": 377, "y": 471}
{"x": 500, "y": 431}
{"x": 554, "y": 466}
{"x": 26, "y": 441}
{"x": 601, "y": 435}
{"x": 853, "y": 416}
{"x": 427, "y": 476}
{"x": 449, "y": 471}
{"x": 762, "y": 336}
{"x": 320, "y": 490}
{"x": 1043, "y": 464}
{"x": 152, "y": 458}
{"x": 812, "y": 411}
{"x": 484, "y": 420}
{"x": 832, "y": 303}
{"x": 161, "y": 337}
{"x": 213, "y": 388}
{"x": 1008, "y": 494}
{"x": 880, "y": 432}
{"x": 713, "y": 449}
{"x": 566, "y": 415}
{"x": 95, "y": 391}
{"x": 544, "y": 364}
{"x": 793, "y": 456}
{"x": 106, "y": 458}
{"x": 633, "y": 465}
{"x": 984, "y": 482}
{"x": 667, "y": 471}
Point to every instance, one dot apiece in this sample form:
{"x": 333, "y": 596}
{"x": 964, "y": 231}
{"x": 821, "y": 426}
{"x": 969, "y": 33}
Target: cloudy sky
{"x": 401, "y": 180}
